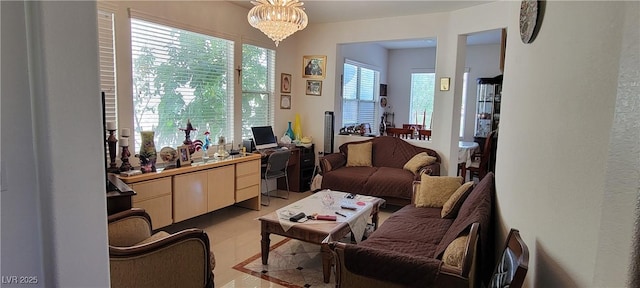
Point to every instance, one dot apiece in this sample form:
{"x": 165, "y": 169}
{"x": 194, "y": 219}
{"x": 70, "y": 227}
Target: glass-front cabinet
{"x": 488, "y": 105}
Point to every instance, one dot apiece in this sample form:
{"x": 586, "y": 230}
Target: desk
{"x": 465, "y": 150}
{"x": 300, "y": 169}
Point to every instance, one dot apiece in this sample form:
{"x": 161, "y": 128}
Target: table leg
{"x": 265, "y": 247}
{"x": 374, "y": 219}
{"x": 327, "y": 256}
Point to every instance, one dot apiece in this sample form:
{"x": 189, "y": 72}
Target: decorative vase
{"x": 148, "y": 151}
{"x": 383, "y": 126}
{"x": 297, "y": 128}
{"x": 290, "y": 132}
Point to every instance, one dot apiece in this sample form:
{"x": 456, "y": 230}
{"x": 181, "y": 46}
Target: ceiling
{"x": 322, "y": 11}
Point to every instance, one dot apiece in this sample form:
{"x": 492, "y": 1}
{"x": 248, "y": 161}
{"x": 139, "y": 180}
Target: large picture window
{"x": 258, "y": 85}
{"x": 359, "y": 95}
{"x": 180, "y": 75}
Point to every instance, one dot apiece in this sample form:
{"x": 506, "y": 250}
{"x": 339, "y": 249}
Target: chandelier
{"x": 278, "y": 19}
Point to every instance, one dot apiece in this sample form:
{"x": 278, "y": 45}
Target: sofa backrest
{"x": 390, "y": 151}
{"x": 477, "y": 208}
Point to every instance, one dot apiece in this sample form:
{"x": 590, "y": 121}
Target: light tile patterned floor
{"x": 234, "y": 234}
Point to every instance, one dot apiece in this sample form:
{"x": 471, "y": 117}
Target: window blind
{"x": 359, "y": 95}
{"x": 258, "y": 88}
{"x": 179, "y": 75}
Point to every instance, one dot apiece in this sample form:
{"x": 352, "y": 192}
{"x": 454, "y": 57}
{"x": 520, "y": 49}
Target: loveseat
{"x": 384, "y": 175}
{"x": 423, "y": 247}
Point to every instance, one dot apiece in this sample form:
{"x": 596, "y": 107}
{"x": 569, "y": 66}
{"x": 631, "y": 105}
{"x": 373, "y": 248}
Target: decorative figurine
{"x": 187, "y": 136}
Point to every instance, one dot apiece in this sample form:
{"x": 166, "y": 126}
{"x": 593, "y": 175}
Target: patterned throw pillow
{"x": 451, "y": 207}
{"x": 435, "y": 190}
{"x": 359, "y": 154}
{"x": 453, "y": 255}
{"x": 418, "y": 161}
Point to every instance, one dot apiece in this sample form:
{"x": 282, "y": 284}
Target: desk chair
{"x": 276, "y": 167}
{"x": 513, "y": 265}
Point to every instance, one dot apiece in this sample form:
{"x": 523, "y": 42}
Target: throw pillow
{"x": 451, "y": 207}
{"x": 418, "y": 161}
{"x": 359, "y": 154}
{"x": 436, "y": 190}
{"x": 453, "y": 255}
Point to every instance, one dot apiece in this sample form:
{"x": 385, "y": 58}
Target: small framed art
{"x": 314, "y": 66}
{"x": 285, "y": 83}
{"x": 444, "y": 83}
{"x": 183, "y": 155}
{"x": 314, "y": 87}
{"x": 285, "y": 101}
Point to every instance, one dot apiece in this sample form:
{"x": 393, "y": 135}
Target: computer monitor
{"x": 263, "y": 137}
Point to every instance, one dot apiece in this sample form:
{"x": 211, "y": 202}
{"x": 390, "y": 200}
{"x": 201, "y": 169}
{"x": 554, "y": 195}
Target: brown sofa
{"x": 386, "y": 178}
{"x": 407, "y": 250}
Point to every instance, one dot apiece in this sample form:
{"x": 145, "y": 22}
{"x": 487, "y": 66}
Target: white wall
{"x": 555, "y": 133}
{"x": 55, "y": 181}
{"x": 20, "y": 212}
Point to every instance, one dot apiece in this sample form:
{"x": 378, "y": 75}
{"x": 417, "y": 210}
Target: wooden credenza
{"x": 174, "y": 195}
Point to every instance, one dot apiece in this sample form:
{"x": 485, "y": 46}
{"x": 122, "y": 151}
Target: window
{"x": 258, "y": 82}
{"x": 106, "y": 52}
{"x": 464, "y": 102}
{"x": 422, "y": 90}
{"x": 180, "y": 75}
{"x": 359, "y": 89}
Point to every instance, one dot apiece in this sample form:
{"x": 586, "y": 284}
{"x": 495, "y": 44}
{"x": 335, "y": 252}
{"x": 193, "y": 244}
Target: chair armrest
{"x": 332, "y": 161}
{"x": 432, "y": 170}
{"x": 129, "y": 227}
{"x": 178, "y": 260}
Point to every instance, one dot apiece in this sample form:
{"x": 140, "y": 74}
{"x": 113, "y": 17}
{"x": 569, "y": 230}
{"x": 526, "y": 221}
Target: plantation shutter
{"x": 106, "y": 53}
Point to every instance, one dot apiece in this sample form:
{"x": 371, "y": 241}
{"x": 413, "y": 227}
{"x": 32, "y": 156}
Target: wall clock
{"x": 528, "y": 20}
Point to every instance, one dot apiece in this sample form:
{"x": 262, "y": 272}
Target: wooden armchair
{"x": 480, "y": 165}
{"x": 138, "y": 258}
{"x": 513, "y": 265}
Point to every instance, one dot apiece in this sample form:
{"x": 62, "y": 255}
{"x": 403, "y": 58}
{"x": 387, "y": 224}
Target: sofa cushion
{"x": 435, "y": 190}
{"x": 389, "y": 182}
{"x": 454, "y": 253}
{"x": 348, "y": 179}
{"x": 359, "y": 155}
{"x": 418, "y": 161}
{"x": 451, "y": 207}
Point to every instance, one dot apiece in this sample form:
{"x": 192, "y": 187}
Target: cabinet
{"x": 174, "y": 195}
{"x": 300, "y": 169}
{"x": 489, "y": 95}
{"x": 154, "y": 196}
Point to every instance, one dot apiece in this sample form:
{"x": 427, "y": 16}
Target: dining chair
{"x": 400, "y": 133}
{"x": 412, "y": 126}
{"x": 513, "y": 264}
{"x": 480, "y": 161}
{"x": 277, "y": 163}
{"x": 424, "y": 134}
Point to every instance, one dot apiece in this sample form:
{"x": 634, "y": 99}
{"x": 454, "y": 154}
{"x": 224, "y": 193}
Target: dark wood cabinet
{"x": 300, "y": 170}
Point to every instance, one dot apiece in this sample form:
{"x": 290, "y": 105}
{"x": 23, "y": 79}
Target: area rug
{"x": 292, "y": 263}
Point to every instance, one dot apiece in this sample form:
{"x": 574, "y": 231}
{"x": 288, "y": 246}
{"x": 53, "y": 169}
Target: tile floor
{"x": 234, "y": 234}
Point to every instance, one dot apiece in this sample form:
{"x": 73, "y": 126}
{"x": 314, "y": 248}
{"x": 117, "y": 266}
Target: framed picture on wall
{"x": 383, "y": 89}
{"x": 314, "y": 87}
{"x": 285, "y": 83}
{"x": 285, "y": 101}
{"x": 314, "y": 66}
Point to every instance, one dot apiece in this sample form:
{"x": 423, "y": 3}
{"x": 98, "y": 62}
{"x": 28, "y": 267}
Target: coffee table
{"x": 316, "y": 231}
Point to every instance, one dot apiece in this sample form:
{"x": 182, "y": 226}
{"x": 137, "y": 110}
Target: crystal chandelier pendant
{"x": 278, "y": 19}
